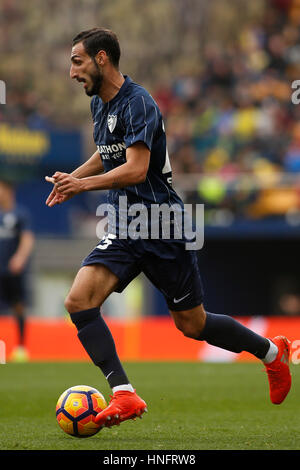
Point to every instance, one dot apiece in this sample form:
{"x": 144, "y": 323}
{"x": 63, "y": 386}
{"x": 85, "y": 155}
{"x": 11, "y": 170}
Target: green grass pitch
{"x": 192, "y": 406}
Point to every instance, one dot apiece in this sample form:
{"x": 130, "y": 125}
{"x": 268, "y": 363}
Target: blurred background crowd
{"x": 222, "y": 74}
{"x": 220, "y": 71}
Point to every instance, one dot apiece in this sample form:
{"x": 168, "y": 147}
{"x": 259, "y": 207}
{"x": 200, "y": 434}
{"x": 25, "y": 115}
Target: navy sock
{"x": 21, "y": 328}
{"x": 98, "y": 342}
{"x": 227, "y": 333}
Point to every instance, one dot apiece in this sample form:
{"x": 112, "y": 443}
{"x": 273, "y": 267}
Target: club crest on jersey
{"x": 112, "y": 121}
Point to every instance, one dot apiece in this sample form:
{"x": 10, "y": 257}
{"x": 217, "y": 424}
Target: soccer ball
{"x": 76, "y": 409}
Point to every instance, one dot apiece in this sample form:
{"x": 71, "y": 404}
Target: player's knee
{"x": 72, "y": 304}
{"x": 190, "y": 323}
{"x": 77, "y": 303}
{"x": 191, "y": 331}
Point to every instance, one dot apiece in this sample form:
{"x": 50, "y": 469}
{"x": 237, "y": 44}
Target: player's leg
{"x": 16, "y": 298}
{"x": 179, "y": 280}
{"x": 20, "y": 312}
{"x": 227, "y": 333}
{"x": 20, "y": 353}
{"x": 220, "y": 330}
{"x": 91, "y": 287}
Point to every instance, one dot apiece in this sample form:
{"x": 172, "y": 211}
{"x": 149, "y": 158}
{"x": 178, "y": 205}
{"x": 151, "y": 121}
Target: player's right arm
{"x": 93, "y": 166}
{"x": 19, "y": 259}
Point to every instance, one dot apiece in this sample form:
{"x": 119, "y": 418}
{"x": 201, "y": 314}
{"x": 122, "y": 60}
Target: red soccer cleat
{"x": 279, "y": 372}
{"x": 122, "y": 406}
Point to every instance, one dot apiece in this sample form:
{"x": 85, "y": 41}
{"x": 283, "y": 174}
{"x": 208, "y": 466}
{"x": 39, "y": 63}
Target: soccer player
{"x": 16, "y": 245}
{"x": 132, "y": 161}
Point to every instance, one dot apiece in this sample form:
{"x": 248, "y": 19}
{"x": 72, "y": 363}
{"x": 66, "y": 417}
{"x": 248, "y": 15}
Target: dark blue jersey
{"x": 133, "y": 116}
{"x": 12, "y": 224}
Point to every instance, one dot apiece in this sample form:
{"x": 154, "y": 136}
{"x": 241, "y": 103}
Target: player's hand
{"x": 16, "y": 264}
{"x": 65, "y": 187}
{"x": 67, "y": 184}
{"x": 54, "y": 197}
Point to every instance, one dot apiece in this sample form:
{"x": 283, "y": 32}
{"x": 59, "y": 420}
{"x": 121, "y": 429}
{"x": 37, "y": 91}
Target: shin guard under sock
{"x": 98, "y": 342}
{"x": 227, "y": 333}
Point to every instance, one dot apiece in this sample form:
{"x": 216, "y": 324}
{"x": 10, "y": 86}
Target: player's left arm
{"x": 133, "y": 171}
{"x": 140, "y": 119}
{"x": 19, "y": 259}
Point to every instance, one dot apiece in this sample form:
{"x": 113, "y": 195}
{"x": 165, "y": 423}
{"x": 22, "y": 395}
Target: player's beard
{"x": 97, "y": 80}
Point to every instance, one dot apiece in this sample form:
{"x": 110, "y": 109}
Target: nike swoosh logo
{"x": 109, "y": 374}
{"x": 176, "y": 301}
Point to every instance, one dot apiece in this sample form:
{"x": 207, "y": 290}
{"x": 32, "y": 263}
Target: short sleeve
{"x": 141, "y": 120}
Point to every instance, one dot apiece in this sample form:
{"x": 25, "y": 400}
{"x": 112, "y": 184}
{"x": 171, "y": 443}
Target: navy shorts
{"x": 12, "y": 288}
{"x": 167, "y": 264}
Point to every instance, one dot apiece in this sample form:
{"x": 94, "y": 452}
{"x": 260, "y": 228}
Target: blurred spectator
{"x": 16, "y": 245}
{"x": 290, "y": 304}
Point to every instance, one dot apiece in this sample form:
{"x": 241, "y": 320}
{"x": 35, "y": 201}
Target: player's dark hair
{"x": 97, "y": 39}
